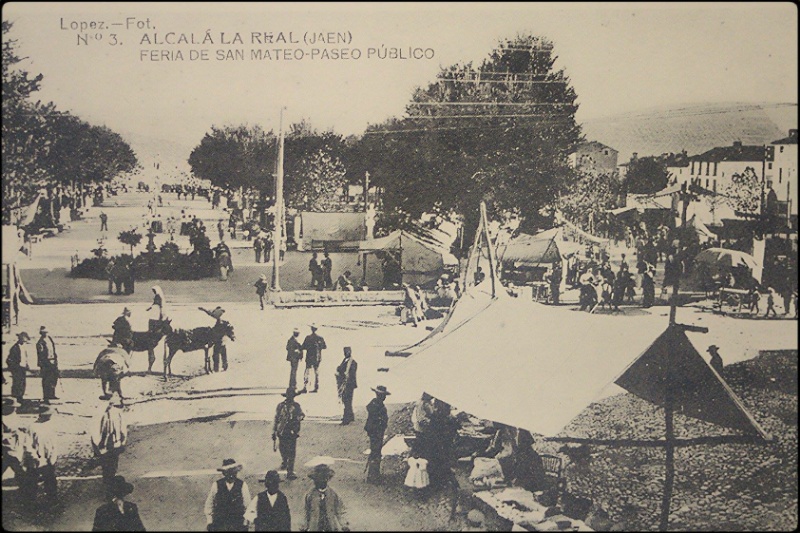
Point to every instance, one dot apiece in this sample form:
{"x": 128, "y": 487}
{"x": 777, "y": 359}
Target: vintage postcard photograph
{"x": 399, "y": 266}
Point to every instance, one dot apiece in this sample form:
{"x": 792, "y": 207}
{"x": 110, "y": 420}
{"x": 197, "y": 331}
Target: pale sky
{"x": 619, "y": 57}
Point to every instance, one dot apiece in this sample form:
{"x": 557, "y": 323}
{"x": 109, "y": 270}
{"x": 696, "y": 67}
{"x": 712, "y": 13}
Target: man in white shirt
{"x": 109, "y": 437}
{"x": 269, "y": 510}
{"x": 44, "y": 443}
{"x": 225, "y": 504}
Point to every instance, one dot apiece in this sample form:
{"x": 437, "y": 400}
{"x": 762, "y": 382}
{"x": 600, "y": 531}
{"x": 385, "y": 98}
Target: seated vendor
{"x": 522, "y": 466}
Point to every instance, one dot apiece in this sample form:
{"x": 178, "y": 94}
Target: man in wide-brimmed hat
{"x": 48, "y": 364}
{"x": 118, "y": 514}
{"x": 109, "y": 437}
{"x": 19, "y": 363}
{"x": 313, "y": 345}
{"x": 323, "y": 507}
{"x": 286, "y": 429}
{"x": 269, "y": 510}
{"x": 294, "y": 354}
{"x": 377, "y": 420}
{"x": 227, "y": 500}
{"x": 716, "y": 359}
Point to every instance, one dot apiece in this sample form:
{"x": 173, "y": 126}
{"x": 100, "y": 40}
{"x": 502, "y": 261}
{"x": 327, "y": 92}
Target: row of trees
{"x": 44, "y": 146}
{"x": 499, "y": 132}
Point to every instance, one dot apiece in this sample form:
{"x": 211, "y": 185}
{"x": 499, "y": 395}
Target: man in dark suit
{"x": 18, "y": 362}
{"x": 294, "y": 353}
{"x": 269, "y": 510}
{"x": 118, "y": 515}
{"x": 377, "y": 421}
{"x": 346, "y": 384}
{"x": 48, "y": 364}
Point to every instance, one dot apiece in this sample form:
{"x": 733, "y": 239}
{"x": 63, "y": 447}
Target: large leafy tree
{"x": 236, "y": 156}
{"x": 588, "y": 199}
{"x": 499, "y": 132}
{"x": 743, "y": 193}
{"x": 42, "y": 146}
{"x": 646, "y": 175}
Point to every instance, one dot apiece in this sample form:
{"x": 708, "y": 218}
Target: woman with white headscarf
{"x": 158, "y": 301}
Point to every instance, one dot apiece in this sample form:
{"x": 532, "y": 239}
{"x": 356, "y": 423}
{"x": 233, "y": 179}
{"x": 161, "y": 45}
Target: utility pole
{"x": 366, "y": 191}
{"x": 278, "y": 229}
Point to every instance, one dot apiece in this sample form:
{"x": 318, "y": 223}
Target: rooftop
{"x": 791, "y": 139}
{"x": 737, "y": 152}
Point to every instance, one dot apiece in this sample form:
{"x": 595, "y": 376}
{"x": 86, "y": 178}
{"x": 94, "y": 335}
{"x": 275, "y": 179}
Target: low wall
{"x": 313, "y": 298}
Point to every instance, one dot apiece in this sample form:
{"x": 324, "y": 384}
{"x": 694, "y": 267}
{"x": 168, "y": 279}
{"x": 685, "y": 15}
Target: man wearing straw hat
{"x": 118, "y": 515}
{"x": 18, "y": 362}
{"x": 225, "y": 504}
{"x": 286, "y": 430}
{"x": 109, "y": 437}
{"x": 48, "y": 364}
{"x": 324, "y": 510}
{"x": 377, "y": 420}
{"x": 294, "y": 353}
{"x": 269, "y": 510}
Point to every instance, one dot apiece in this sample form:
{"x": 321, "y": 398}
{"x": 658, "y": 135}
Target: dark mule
{"x": 147, "y": 341}
{"x": 190, "y": 340}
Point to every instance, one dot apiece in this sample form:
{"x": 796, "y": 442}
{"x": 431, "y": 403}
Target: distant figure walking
{"x": 377, "y": 421}
{"x": 770, "y": 303}
{"x": 316, "y": 272}
{"x": 103, "y": 221}
{"x": 261, "y": 289}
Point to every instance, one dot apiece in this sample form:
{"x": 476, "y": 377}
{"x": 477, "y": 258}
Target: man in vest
{"x": 286, "y": 429}
{"x": 346, "y": 384}
{"x": 225, "y": 504}
{"x": 48, "y": 365}
{"x": 269, "y": 510}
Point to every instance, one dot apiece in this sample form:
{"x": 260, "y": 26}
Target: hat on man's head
{"x": 126, "y": 311}
{"x": 23, "y": 335}
{"x": 272, "y": 476}
{"x": 321, "y": 471}
{"x": 313, "y": 325}
{"x": 290, "y": 393}
{"x": 348, "y": 351}
{"x": 713, "y": 348}
{"x": 263, "y": 277}
{"x": 228, "y": 465}
{"x": 119, "y": 487}
{"x": 43, "y": 329}
{"x": 380, "y": 389}
{"x": 8, "y": 406}
{"x": 296, "y": 330}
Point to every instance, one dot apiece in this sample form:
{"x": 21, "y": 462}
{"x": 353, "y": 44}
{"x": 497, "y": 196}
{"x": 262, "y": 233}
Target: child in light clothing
{"x": 417, "y": 477}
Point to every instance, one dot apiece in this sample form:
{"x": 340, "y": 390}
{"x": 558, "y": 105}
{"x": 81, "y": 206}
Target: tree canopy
{"x": 499, "y": 132}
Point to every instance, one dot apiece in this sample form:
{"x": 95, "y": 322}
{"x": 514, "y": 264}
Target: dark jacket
{"x": 294, "y": 350}
{"x": 346, "y": 378}
{"x": 46, "y": 352}
{"x": 313, "y": 345}
{"x": 273, "y": 518}
{"x": 108, "y": 518}
{"x": 377, "y": 418}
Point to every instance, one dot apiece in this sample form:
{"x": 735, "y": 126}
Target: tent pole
{"x": 472, "y": 254}
{"x": 485, "y": 223}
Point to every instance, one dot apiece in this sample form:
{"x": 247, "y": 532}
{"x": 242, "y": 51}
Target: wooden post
{"x": 278, "y": 230}
{"x": 485, "y": 223}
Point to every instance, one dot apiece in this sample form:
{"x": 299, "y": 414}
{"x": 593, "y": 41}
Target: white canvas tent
{"x": 422, "y": 261}
{"x": 541, "y": 249}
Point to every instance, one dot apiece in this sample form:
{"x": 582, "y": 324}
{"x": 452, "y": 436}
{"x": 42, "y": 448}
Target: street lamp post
{"x": 278, "y": 228}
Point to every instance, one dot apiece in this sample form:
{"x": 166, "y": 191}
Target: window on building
{"x": 708, "y": 167}
{"x": 715, "y": 168}
{"x": 781, "y": 149}
{"x": 780, "y": 174}
{"x": 769, "y": 166}
{"x": 706, "y": 183}
{"x": 714, "y": 183}
{"x": 605, "y": 152}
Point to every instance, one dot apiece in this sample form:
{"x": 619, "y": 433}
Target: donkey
{"x": 148, "y": 340}
{"x": 190, "y": 340}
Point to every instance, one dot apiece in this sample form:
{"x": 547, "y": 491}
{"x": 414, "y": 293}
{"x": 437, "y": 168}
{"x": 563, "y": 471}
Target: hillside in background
{"x": 694, "y": 128}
